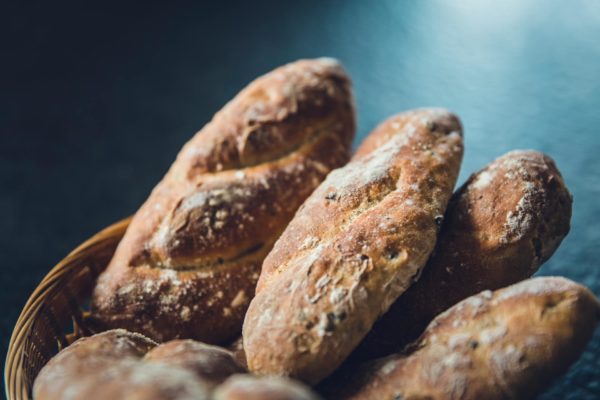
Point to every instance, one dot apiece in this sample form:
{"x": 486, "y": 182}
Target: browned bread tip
{"x": 354, "y": 246}
{"x": 189, "y": 261}
{"x": 500, "y": 226}
{"x": 507, "y": 344}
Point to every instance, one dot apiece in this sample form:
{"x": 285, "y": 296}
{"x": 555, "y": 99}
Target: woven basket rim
{"x": 13, "y": 382}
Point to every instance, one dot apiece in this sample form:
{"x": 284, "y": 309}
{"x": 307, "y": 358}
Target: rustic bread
{"x": 188, "y": 263}
{"x": 352, "y": 248}
{"x": 107, "y": 366}
{"x": 500, "y": 226}
{"x": 507, "y": 344}
{"x": 211, "y": 364}
{"x": 248, "y": 387}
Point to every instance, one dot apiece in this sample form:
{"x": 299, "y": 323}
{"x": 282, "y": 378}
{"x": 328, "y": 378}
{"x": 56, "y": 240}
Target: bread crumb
{"x": 239, "y": 299}
{"x": 185, "y": 313}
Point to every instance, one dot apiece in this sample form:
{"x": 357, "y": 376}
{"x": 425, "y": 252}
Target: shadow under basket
{"x": 55, "y": 314}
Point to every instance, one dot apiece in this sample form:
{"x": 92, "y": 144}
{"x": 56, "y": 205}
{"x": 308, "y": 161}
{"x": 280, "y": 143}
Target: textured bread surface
{"x": 500, "y": 226}
{"x": 353, "y": 247}
{"x": 507, "y": 344}
{"x": 248, "y": 387}
{"x": 212, "y": 364}
{"x": 188, "y": 263}
{"x": 107, "y": 366}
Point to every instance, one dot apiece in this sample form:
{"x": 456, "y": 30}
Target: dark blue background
{"x": 96, "y": 100}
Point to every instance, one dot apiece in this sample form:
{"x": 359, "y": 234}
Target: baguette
{"x": 509, "y": 344}
{"x": 188, "y": 263}
{"x": 500, "y": 226}
{"x": 353, "y": 247}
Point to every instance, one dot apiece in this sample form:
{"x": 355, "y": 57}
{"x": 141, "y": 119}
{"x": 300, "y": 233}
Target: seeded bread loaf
{"x": 500, "y": 226}
{"x": 507, "y": 344}
{"x": 355, "y": 245}
{"x": 188, "y": 263}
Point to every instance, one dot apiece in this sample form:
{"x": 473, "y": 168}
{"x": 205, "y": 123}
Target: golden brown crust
{"x": 248, "y": 387}
{"x": 211, "y": 364}
{"x": 188, "y": 264}
{"x": 509, "y": 344}
{"x": 352, "y": 248}
{"x": 107, "y": 366}
{"x": 500, "y": 226}
{"x": 439, "y": 118}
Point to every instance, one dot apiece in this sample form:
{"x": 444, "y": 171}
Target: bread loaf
{"x": 500, "y": 226}
{"x": 508, "y": 344}
{"x": 188, "y": 263}
{"x": 353, "y": 247}
{"x": 248, "y": 387}
{"x": 107, "y": 366}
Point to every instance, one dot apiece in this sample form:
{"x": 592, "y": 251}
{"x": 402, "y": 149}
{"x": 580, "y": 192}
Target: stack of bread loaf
{"x": 348, "y": 277}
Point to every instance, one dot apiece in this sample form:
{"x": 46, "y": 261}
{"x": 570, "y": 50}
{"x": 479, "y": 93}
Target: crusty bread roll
{"x": 188, "y": 263}
{"x": 500, "y": 226}
{"x": 212, "y": 364}
{"x": 248, "y": 387}
{"x": 107, "y": 366}
{"x": 353, "y": 247}
{"x": 509, "y": 344}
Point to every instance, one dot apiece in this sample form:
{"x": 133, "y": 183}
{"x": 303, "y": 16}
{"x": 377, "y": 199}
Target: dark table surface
{"x": 96, "y": 99}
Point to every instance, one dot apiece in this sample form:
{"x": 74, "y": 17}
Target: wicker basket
{"x": 55, "y": 314}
